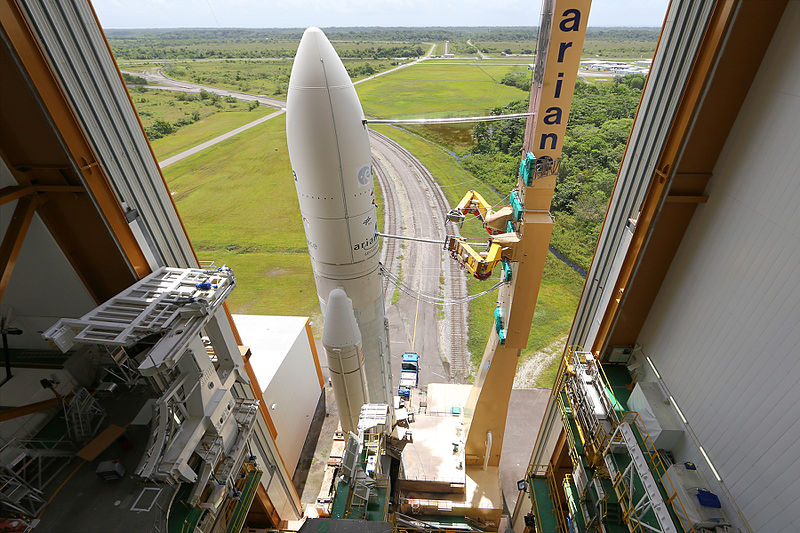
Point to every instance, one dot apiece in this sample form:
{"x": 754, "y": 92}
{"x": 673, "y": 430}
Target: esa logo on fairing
{"x": 364, "y": 175}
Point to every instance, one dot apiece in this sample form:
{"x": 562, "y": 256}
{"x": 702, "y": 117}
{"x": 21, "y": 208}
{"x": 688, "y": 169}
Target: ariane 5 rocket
{"x": 332, "y": 167}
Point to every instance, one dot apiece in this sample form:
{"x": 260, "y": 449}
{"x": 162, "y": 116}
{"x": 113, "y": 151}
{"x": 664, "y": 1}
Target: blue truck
{"x": 409, "y": 374}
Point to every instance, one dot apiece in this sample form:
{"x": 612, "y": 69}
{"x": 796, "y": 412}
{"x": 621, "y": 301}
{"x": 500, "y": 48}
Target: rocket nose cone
{"x": 341, "y": 328}
{"x": 317, "y": 64}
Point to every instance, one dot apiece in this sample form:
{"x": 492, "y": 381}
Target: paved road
{"x": 481, "y": 54}
{"x": 202, "y": 146}
{"x": 159, "y": 80}
{"x": 415, "y": 206}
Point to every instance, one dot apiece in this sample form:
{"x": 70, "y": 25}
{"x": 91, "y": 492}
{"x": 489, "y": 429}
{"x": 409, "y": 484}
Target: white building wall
{"x": 292, "y": 398}
{"x": 284, "y": 365}
{"x": 724, "y": 330}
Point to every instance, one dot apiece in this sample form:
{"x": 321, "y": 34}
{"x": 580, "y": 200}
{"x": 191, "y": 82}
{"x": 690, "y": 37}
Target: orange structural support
{"x": 313, "y": 345}
{"x": 63, "y": 118}
{"x": 561, "y": 37}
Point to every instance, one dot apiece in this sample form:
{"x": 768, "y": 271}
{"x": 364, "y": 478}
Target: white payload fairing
{"x": 332, "y": 166}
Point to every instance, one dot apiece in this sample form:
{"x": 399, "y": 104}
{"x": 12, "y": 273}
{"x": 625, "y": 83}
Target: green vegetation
{"x": 428, "y": 89}
{"x": 599, "y": 124}
{"x": 239, "y": 207}
{"x": 520, "y": 80}
{"x": 270, "y": 78}
{"x": 227, "y": 43}
{"x": 164, "y": 112}
{"x": 555, "y": 308}
{"x": 204, "y": 130}
{"x": 133, "y": 80}
{"x": 561, "y": 286}
{"x": 386, "y": 43}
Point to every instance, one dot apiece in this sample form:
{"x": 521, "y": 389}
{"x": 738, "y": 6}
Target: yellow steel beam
{"x": 551, "y": 97}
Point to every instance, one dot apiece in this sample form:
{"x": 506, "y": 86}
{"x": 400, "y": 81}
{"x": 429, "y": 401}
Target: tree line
{"x": 599, "y": 125}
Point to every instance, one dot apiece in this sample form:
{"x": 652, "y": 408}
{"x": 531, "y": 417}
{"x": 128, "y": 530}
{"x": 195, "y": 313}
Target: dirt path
{"x": 532, "y": 366}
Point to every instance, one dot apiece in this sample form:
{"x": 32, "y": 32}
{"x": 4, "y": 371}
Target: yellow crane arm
{"x": 481, "y": 264}
{"x": 475, "y": 204}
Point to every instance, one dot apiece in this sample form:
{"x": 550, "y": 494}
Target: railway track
{"x": 390, "y": 215}
{"x": 427, "y": 219}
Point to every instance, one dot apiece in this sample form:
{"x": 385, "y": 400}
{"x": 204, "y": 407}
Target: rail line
{"x": 455, "y": 286}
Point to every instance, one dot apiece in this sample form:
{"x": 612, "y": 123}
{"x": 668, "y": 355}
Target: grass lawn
{"x": 238, "y": 203}
{"x": 204, "y": 130}
{"x": 555, "y": 308}
{"x": 451, "y": 176}
{"x": 171, "y": 106}
{"x": 430, "y": 90}
{"x": 255, "y": 76}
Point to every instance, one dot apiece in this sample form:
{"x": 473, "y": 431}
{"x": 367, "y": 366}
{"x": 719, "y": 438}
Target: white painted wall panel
{"x": 285, "y": 369}
{"x": 294, "y": 391}
{"x": 725, "y": 328}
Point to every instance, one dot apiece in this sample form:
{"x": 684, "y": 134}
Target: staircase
{"x": 634, "y": 504}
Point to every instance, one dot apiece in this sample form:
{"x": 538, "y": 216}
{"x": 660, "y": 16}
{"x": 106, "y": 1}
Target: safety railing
{"x": 535, "y": 471}
{"x": 555, "y": 496}
{"x": 572, "y": 439}
{"x": 595, "y": 433}
{"x": 657, "y": 467}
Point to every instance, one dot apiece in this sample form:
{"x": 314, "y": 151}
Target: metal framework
{"x": 166, "y": 327}
{"x": 84, "y": 416}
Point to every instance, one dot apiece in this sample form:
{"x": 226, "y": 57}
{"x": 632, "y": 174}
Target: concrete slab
{"x": 313, "y": 481}
{"x": 525, "y": 411}
{"x": 85, "y": 502}
{"x": 442, "y": 397}
{"x": 430, "y": 458}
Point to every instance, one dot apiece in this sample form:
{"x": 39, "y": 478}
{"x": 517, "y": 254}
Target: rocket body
{"x": 332, "y": 169}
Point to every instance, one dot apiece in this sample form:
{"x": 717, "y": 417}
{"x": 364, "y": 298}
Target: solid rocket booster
{"x": 342, "y": 341}
{"x": 332, "y": 167}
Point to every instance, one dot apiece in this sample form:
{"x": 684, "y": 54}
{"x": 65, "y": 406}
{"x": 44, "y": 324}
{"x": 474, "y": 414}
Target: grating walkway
{"x": 543, "y": 505}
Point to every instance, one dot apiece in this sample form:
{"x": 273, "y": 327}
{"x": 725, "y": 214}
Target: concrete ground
{"x": 525, "y": 412}
{"x": 85, "y": 502}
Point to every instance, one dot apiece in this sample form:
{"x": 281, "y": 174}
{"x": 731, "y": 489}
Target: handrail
{"x": 561, "y": 522}
{"x": 535, "y": 471}
{"x": 657, "y": 467}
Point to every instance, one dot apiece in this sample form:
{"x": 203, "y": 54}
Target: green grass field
{"x": 204, "y": 130}
{"x": 430, "y": 90}
{"x": 238, "y": 203}
{"x": 170, "y": 106}
{"x": 254, "y": 76}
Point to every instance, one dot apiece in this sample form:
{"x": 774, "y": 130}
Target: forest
{"x": 377, "y": 43}
{"x": 599, "y": 124}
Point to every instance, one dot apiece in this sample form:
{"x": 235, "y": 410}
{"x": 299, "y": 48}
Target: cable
{"x": 435, "y": 300}
{"x": 451, "y": 120}
{"x": 422, "y": 239}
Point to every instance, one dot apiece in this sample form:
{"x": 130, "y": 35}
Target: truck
{"x": 409, "y": 374}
